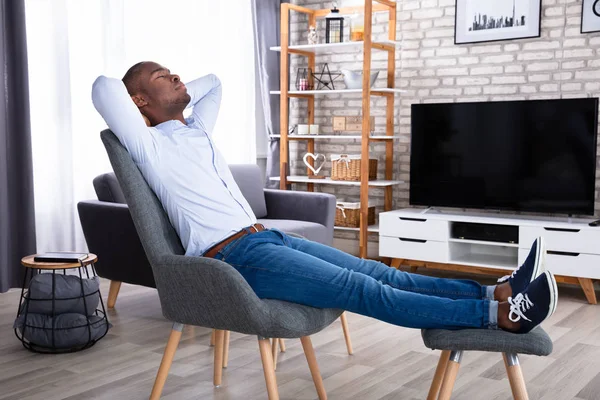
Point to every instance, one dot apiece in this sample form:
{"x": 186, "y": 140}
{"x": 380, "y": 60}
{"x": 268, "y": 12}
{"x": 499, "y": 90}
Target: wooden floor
{"x": 389, "y": 362}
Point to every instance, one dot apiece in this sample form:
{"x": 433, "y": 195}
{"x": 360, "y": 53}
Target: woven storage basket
{"x": 348, "y": 214}
{"x": 346, "y": 167}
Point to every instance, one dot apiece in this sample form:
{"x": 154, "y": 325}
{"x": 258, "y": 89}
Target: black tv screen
{"x": 537, "y": 155}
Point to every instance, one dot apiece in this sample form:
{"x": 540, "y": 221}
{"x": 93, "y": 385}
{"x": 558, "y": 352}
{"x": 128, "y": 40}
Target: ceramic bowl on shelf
{"x": 353, "y": 80}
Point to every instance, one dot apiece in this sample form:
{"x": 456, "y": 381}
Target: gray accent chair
{"x": 110, "y": 233}
{"x": 454, "y": 343}
{"x": 207, "y": 292}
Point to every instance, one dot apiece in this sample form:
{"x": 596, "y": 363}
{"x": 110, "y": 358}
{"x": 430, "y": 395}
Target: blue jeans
{"x": 278, "y": 266}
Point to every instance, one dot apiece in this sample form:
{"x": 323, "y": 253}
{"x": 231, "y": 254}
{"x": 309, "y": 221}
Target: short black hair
{"x": 131, "y": 79}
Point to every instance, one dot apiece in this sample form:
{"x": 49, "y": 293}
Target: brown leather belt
{"x": 212, "y": 252}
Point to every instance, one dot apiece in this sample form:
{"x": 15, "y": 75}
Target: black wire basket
{"x": 88, "y": 328}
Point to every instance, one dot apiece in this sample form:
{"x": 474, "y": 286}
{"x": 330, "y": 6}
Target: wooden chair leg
{"x": 309, "y": 352}
{"x": 346, "y": 330}
{"x": 113, "y": 292}
{"x": 515, "y": 376}
{"x": 218, "y": 363}
{"x": 413, "y": 269}
{"x": 167, "y": 360}
{"x": 436, "y": 384}
{"x": 282, "y": 345}
{"x": 212, "y": 337}
{"x": 450, "y": 375}
{"x": 268, "y": 368}
{"x": 396, "y": 262}
{"x": 274, "y": 352}
{"x": 226, "y": 349}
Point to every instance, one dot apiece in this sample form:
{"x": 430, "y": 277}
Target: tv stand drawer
{"x": 574, "y": 239}
{"x": 569, "y": 263}
{"x": 413, "y": 249}
{"x": 417, "y": 227}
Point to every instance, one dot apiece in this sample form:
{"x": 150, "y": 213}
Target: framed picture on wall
{"x": 490, "y": 20}
{"x": 590, "y": 16}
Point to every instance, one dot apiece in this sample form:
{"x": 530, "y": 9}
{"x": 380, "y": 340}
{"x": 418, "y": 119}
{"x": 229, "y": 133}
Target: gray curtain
{"x": 266, "y": 21}
{"x": 17, "y": 224}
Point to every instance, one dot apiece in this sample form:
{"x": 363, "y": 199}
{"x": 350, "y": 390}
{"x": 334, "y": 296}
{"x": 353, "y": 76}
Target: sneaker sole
{"x": 553, "y": 293}
{"x": 540, "y": 258}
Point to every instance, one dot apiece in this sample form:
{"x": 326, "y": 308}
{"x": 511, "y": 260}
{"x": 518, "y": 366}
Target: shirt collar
{"x": 172, "y": 125}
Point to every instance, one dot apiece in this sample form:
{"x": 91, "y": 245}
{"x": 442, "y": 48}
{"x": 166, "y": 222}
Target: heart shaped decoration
{"x": 315, "y": 158}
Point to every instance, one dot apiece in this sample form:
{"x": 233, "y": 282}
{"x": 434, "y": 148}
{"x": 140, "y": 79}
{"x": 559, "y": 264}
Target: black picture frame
{"x": 534, "y": 31}
{"x": 590, "y": 9}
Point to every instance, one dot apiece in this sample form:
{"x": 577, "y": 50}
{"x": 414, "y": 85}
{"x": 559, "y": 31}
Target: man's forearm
{"x": 199, "y": 88}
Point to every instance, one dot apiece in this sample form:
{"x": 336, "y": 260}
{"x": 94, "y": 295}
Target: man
{"x": 181, "y": 164}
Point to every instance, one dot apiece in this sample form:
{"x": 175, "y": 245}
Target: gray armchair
{"x": 110, "y": 233}
{"x": 207, "y": 292}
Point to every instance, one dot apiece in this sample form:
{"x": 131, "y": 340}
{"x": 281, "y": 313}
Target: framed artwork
{"x": 490, "y": 20}
{"x": 590, "y": 16}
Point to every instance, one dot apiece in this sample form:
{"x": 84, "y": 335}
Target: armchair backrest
{"x": 151, "y": 222}
{"x": 108, "y": 189}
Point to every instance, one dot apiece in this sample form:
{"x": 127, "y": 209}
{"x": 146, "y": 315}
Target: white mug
{"x": 313, "y": 129}
{"x": 302, "y": 129}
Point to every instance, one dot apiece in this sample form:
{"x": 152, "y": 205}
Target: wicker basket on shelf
{"x": 348, "y": 214}
{"x": 345, "y": 167}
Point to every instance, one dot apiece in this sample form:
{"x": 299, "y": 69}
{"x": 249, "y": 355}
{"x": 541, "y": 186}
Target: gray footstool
{"x": 454, "y": 343}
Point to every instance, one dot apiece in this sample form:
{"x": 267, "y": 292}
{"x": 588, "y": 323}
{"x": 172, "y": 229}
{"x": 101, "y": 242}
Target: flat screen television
{"x": 537, "y": 155}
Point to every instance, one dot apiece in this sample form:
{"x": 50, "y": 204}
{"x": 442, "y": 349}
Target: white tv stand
{"x": 417, "y": 239}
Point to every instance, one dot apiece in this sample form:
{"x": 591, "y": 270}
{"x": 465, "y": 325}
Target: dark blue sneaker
{"x": 535, "y": 304}
{"x": 531, "y": 268}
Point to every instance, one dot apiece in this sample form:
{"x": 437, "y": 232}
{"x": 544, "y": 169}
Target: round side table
{"x": 97, "y": 318}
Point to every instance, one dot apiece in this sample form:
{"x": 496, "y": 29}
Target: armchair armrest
{"x": 110, "y": 233}
{"x": 207, "y": 292}
{"x": 304, "y": 206}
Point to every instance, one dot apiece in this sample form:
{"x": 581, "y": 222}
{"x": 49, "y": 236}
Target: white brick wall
{"x": 561, "y": 63}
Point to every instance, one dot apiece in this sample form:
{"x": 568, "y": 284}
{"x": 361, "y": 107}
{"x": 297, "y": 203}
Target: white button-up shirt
{"x": 180, "y": 162}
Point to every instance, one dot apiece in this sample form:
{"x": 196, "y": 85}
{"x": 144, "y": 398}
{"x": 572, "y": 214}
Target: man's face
{"x": 160, "y": 88}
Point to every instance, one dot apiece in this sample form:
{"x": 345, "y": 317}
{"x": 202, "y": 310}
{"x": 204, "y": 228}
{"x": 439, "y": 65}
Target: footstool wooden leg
{"x": 450, "y": 375}
{"x": 515, "y": 376}
{"x": 439, "y": 375}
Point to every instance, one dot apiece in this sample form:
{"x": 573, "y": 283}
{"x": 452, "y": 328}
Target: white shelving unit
{"x": 329, "y": 181}
{"x": 364, "y": 50}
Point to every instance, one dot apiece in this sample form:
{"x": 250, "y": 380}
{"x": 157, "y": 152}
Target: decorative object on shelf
{"x": 348, "y": 214}
{"x": 357, "y": 28}
{"x": 313, "y": 129}
{"x": 351, "y": 124}
{"x": 491, "y": 20}
{"x": 316, "y": 158}
{"x": 304, "y": 79}
{"x": 334, "y": 26}
{"x": 302, "y": 129}
{"x": 346, "y": 167}
{"x": 353, "y": 80}
{"x": 325, "y": 78}
{"x": 313, "y": 38}
{"x": 590, "y": 16}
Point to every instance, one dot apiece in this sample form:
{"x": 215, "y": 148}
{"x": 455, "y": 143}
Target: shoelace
{"x": 506, "y": 277}
{"x": 518, "y": 305}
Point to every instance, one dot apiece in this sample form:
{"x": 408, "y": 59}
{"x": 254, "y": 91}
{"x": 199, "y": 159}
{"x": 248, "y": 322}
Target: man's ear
{"x": 139, "y": 100}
